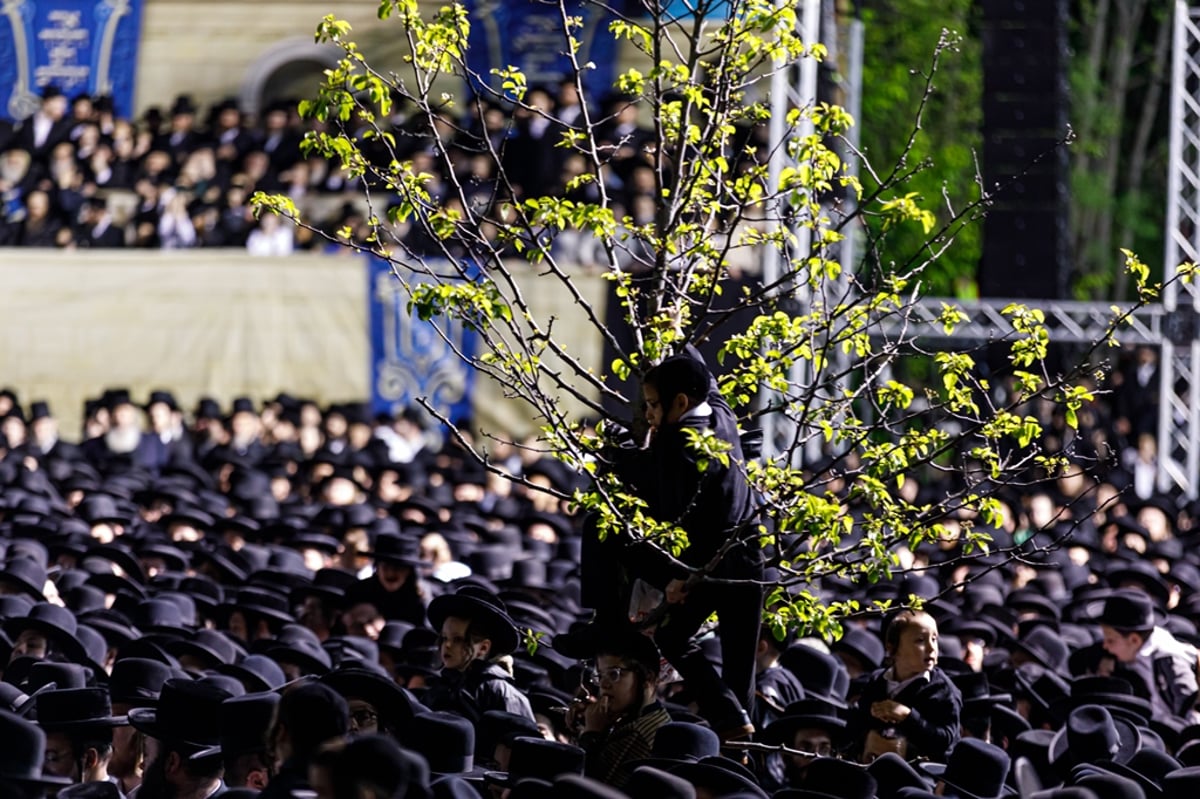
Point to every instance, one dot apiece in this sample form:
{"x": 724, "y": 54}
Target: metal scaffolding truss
{"x": 1068, "y": 322}
{"x": 1172, "y": 327}
{"x": 1179, "y": 391}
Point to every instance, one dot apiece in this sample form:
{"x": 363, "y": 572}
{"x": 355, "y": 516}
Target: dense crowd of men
{"x": 278, "y": 599}
{"x": 190, "y": 176}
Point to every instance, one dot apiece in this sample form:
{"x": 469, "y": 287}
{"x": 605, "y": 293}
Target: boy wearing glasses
{"x": 621, "y": 713}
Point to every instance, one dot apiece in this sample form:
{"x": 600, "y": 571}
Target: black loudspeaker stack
{"x": 1026, "y": 251}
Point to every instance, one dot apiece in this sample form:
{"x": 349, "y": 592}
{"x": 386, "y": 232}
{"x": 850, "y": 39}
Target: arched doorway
{"x": 291, "y": 68}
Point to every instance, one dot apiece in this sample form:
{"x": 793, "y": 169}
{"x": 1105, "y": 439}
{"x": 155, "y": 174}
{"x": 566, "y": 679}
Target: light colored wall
{"x": 196, "y": 323}
{"x": 206, "y": 48}
{"x": 225, "y": 324}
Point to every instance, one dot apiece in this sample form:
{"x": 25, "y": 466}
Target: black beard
{"x": 155, "y": 784}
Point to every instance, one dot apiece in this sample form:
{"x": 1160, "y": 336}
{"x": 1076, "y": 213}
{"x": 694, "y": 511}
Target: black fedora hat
{"x": 485, "y": 611}
{"x": 963, "y": 627}
{"x": 892, "y": 772}
{"x": 538, "y": 758}
{"x": 394, "y": 705}
{"x": 23, "y": 753}
{"x": 101, "y": 509}
{"x": 188, "y": 714}
{"x": 164, "y": 397}
{"x": 974, "y": 770}
{"x": 39, "y": 674}
{"x": 655, "y": 782}
{"x": 861, "y": 644}
{"x": 244, "y": 722}
{"x": 258, "y": 602}
{"x": 1184, "y": 782}
{"x": 681, "y": 742}
{"x": 161, "y": 617}
{"x": 838, "y": 779}
{"x": 256, "y": 672}
{"x": 1139, "y": 575}
{"x": 1128, "y": 611}
{"x": 298, "y": 646}
{"x": 1046, "y": 647}
{"x": 76, "y": 709}
{"x": 137, "y": 682}
{"x": 1093, "y": 734}
{"x": 398, "y": 549}
{"x": 1110, "y": 692}
{"x": 17, "y": 701}
{"x": 720, "y": 776}
{"x": 1110, "y": 786}
{"x": 27, "y": 575}
{"x": 822, "y": 675}
{"x": 54, "y": 622}
{"x": 977, "y": 692}
{"x": 209, "y": 647}
{"x": 805, "y": 714}
{"x": 1147, "y": 767}
{"x": 446, "y": 740}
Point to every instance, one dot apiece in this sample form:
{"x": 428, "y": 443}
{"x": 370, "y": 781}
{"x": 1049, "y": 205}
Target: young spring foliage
{"x": 845, "y": 491}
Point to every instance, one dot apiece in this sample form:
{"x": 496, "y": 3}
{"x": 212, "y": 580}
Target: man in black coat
{"x": 48, "y": 127}
{"x": 96, "y": 229}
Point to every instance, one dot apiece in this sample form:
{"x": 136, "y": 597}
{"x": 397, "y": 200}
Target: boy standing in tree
{"x": 714, "y": 506}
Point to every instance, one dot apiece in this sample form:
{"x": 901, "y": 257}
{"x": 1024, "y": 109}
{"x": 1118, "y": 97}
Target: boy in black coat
{"x": 912, "y": 697}
{"x": 714, "y": 506}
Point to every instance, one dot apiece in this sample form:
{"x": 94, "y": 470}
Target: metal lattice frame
{"x": 1173, "y": 326}
{"x": 1179, "y": 391}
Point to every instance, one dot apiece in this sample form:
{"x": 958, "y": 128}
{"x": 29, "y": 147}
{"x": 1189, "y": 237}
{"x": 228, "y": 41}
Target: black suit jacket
{"x": 59, "y": 132}
{"x": 932, "y": 728}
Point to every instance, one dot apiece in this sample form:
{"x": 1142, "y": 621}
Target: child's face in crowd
{"x": 660, "y": 410}
{"x": 654, "y": 410}
{"x": 1122, "y": 646}
{"x": 622, "y": 692}
{"x": 456, "y": 647}
{"x": 917, "y": 650}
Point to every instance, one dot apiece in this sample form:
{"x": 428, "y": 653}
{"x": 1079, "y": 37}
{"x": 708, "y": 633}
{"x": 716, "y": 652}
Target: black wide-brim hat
{"x": 52, "y": 622}
{"x": 782, "y": 730}
{"x": 486, "y": 616}
{"x": 1125, "y": 610}
{"x": 259, "y": 602}
{"x": 1129, "y": 740}
{"x": 25, "y": 574}
{"x": 397, "y": 549}
{"x": 187, "y": 713}
{"x": 538, "y": 758}
{"x": 23, "y": 753}
{"x": 393, "y": 703}
{"x": 77, "y": 710}
{"x": 258, "y": 672}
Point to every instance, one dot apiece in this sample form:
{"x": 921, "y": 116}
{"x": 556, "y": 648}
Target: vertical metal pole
{"x": 1167, "y": 469}
{"x": 787, "y": 91}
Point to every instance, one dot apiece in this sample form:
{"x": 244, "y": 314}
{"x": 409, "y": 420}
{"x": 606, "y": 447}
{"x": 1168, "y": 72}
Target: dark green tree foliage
{"x": 1120, "y": 89}
{"x": 899, "y": 41}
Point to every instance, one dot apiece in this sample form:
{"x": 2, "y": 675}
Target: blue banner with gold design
{"x": 529, "y": 35}
{"x": 78, "y": 46}
{"x": 412, "y": 359}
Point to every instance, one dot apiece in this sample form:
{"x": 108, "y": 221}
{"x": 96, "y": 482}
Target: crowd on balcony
{"x": 75, "y": 175}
